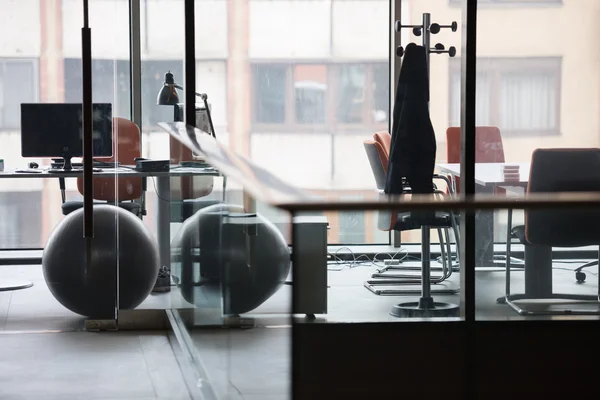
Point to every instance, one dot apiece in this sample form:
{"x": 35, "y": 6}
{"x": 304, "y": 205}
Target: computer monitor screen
{"x": 55, "y": 130}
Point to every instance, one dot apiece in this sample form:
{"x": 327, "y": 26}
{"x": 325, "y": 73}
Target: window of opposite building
{"x": 18, "y": 84}
{"x": 297, "y": 97}
{"x": 521, "y": 96}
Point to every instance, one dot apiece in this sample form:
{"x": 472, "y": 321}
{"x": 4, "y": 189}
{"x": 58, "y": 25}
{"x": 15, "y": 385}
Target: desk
{"x": 538, "y": 259}
{"x": 163, "y": 189}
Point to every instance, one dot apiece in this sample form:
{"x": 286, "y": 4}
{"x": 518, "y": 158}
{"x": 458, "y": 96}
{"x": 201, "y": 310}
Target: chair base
{"x": 9, "y": 285}
{"x": 372, "y": 287}
{"x": 425, "y": 307}
{"x": 509, "y": 300}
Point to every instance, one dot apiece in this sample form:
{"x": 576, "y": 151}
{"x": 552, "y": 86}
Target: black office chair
{"x": 556, "y": 171}
{"x": 404, "y": 221}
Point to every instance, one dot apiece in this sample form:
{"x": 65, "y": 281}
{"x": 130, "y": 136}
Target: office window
{"x": 352, "y": 81}
{"x": 20, "y": 216}
{"x": 351, "y": 227}
{"x": 310, "y": 89}
{"x": 293, "y": 98}
{"x": 381, "y": 93}
{"x": 104, "y": 90}
{"x": 9, "y": 226}
{"x": 269, "y": 93}
{"x": 520, "y": 96}
{"x": 18, "y": 84}
{"x": 153, "y": 78}
{"x": 110, "y": 84}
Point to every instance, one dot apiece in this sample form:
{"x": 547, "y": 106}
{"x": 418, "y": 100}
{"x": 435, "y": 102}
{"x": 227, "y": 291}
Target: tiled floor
{"x": 84, "y": 365}
{"x": 246, "y": 364}
{"x": 46, "y": 355}
{"x": 255, "y": 363}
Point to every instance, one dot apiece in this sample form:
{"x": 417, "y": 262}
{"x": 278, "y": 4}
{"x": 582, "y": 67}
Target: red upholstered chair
{"x": 488, "y": 148}
{"x": 119, "y": 191}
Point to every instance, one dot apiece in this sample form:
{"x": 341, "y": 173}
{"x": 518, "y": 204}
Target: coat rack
{"x": 426, "y": 306}
{"x": 426, "y": 29}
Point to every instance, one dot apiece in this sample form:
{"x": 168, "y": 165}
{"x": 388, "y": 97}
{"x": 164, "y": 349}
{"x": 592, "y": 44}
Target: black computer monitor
{"x": 55, "y": 130}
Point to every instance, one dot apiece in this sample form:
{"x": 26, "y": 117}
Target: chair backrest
{"x": 488, "y": 146}
{"x": 385, "y": 141}
{"x": 564, "y": 170}
{"x": 378, "y": 161}
{"x": 126, "y": 147}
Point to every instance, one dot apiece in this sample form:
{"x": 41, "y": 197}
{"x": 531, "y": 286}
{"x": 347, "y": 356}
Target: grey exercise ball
{"x": 241, "y": 258}
{"x": 119, "y": 238}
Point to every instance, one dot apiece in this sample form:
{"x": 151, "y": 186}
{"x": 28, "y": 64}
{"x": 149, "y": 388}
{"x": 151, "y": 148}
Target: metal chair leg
{"x": 509, "y": 298}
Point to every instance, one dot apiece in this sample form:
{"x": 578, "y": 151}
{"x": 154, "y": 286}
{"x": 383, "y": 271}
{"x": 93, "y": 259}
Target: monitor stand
{"x": 67, "y": 167}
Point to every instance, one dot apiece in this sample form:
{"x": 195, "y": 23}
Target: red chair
{"x": 488, "y": 148}
{"x": 119, "y": 191}
{"x": 385, "y": 141}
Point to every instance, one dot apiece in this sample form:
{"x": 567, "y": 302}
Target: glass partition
{"x": 231, "y": 264}
{"x": 41, "y": 84}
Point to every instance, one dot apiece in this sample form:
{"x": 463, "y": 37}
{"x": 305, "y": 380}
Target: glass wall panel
{"x": 537, "y": 101}
{"x": 40, "y": 63}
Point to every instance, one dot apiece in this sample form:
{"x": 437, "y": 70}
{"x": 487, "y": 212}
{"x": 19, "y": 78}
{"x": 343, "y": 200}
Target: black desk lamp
{"x": 167, "y": 96}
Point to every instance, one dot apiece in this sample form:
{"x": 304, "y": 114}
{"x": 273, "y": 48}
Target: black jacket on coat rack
{"x": 413, "y": 148}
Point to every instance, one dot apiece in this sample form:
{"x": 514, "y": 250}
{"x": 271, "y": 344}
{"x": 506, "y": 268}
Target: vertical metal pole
{"x": 425, "y": 230}
{"x": 427, "y": 41}
{"x": 467, "y": 156}
{"x": 395, "y": 65}
{"x": 190, "y": 64}
{"x": 135, "y": 55}
{"x": 467, "y": 188}
{"x": 425, "y": 263}
{"x": 88, "y": 189}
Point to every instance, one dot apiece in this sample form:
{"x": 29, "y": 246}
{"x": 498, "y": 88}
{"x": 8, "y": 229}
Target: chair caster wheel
{"x": 580, "y": 276}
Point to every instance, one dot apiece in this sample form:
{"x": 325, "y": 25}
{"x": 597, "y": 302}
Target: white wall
{"x": 289, "y": 29}
{"x": 360, "y": 29}
{"x": 304, "y": 160}
{"x": 163, "y": 30}
{"x": 20, "y": 28}
{"x": 109, "y": 22}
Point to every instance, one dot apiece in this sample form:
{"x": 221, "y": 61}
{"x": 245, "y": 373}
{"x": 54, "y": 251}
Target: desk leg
{"x": 484, "y": 242}
{"x": 538, "y": 272}
{"x": 163, "y": 228}
{"x": 484, "y": 229}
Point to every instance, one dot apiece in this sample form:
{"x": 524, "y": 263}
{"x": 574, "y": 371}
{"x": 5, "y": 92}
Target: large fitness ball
{"x": 120, "y": 239}
{"x": 238, "y": 259}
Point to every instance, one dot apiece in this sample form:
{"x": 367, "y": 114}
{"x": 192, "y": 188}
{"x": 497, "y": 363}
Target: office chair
{"x": 488, "y": 149}
{"x": 442, "y": 221}
{"x": 383, "y": 144}
{"x": 120, "y": 191}
{"x": 556, "y": 171}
